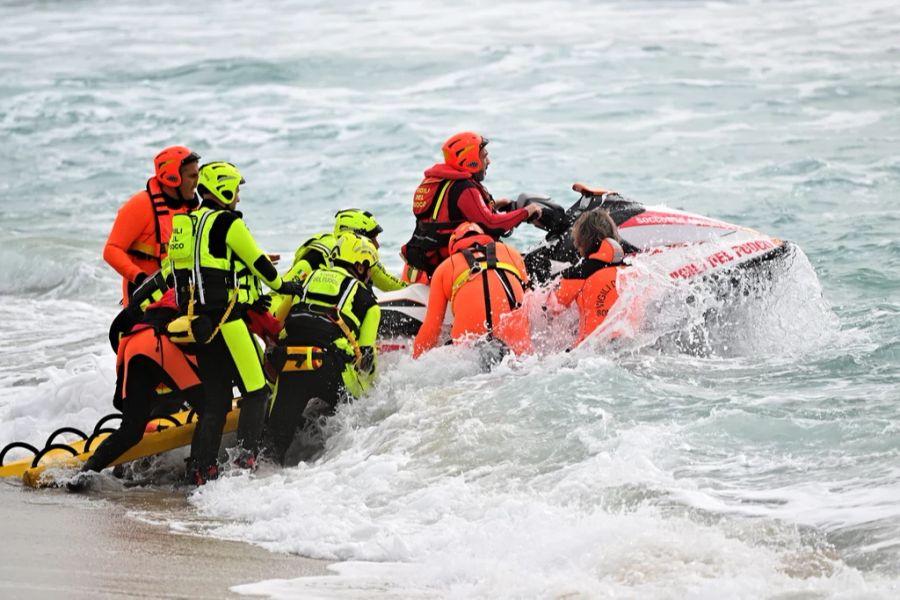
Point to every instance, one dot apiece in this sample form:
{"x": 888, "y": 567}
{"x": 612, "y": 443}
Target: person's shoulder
{"x": 582, "y": 269}
{"x": 229, "y": 217}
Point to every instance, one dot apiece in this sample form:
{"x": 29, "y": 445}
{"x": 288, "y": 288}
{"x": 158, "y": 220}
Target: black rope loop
{"x": 15, "y": 445}
{"x": 61, "y": 430}
{"x": 49, "y": 448}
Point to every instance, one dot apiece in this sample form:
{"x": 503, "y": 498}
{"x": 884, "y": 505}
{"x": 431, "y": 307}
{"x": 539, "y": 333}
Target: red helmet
{"x": 463, "y": 151}
{"x": 466, "y": 235}
{"x": 168, "y": 164}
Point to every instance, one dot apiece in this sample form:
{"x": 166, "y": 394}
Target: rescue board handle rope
{"x": 15, "y": 445}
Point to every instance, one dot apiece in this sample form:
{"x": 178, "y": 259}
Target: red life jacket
{"x": 436, "y": 208}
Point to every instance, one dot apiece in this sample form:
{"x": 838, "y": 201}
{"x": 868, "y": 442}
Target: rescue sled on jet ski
{"x": 683, "y": 246}
{"x": 161, "y": 435}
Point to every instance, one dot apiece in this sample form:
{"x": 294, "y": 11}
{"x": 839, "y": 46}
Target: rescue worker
{"x": 208, "y": 247}
{"x": 326, "y": 352}
{"x": 137, "y": 244}
{"x": 484, "y": 282}
{"x": 591, "y": 283}
{"x": 314, "y": 252}
{"x": 145, "y": 360}
{"x": 452, "y": 193}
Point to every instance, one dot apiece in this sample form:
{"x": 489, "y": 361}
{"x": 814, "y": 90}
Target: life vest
{"x": 592, "y": 285}
{"x": 483, "y": 268}
{"x": 162, "y": 227}
{"x": 333, "y": 294}
{"x": 201, "y": 276}
{"x": 436, "y": 208}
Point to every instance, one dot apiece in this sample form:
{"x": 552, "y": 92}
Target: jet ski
{"x": 682, "y": 246}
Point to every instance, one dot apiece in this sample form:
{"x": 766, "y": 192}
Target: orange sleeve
{"x": 430, "y": 331}
{"x": 568, "y": 290}
{"x": 130, "y": 223}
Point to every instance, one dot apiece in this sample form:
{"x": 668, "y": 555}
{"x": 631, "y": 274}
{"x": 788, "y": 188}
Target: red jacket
{"x": 445, "y": 198}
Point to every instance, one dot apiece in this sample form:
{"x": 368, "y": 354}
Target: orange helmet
{"x": 467, "y": 234}
{"x": 463, "y": 151}
{"x": 168, "y": 164}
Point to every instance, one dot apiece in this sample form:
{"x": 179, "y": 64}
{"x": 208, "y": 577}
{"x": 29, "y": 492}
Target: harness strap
{"x": 158, "y": 204}
{"x": 335, "y": 312}
{"x": 484, "y": 267}
{"x": 476, "y": 267}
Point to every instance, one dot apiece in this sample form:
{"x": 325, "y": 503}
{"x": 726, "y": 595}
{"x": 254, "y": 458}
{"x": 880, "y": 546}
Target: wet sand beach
{"x": 54, "y": 544}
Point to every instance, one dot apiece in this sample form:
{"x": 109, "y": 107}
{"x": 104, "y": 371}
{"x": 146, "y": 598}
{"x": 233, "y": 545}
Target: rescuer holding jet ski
{"x": 452, "y": 193}
{"x": 137, "y": 245}
{"x": 207, "y": 248}
{"x": 484, "y": 283}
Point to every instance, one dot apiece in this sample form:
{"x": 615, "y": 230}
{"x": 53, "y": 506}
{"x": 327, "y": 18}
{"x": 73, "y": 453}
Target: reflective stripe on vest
{"x": 191, "y": 260}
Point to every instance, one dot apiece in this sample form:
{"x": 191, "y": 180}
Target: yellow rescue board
{"x": 168, "y": 437}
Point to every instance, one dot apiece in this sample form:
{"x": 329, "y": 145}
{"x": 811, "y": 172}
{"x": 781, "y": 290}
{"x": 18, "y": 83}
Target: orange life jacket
{"x": 591, "y": 284}
{"x": 144, "y": 341}
{"x": 485, "y": 287}
{"x": 138, "y": 241}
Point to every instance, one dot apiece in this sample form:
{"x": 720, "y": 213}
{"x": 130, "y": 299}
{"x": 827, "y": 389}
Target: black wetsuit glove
{"x": 139, "y": 279}
{"x": 293, "y": 288}
{"x": 262, "y": 304}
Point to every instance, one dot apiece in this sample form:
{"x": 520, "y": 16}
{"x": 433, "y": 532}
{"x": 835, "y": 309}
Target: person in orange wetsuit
{"x": 591, "y": 283}
{"x": 484, "y": 283}
{"x": 452, "y": 193}
{"x": 138, "y": 241}
{"x": 145, "y": 359}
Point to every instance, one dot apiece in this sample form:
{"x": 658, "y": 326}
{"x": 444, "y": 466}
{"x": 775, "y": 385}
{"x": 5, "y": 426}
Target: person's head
{"x": 360, "y": 222}
{"x": 220, "y": 183}
{"x": 177, "y": 170}
{"x": 591, "y": 228}
{"x": 355, "y": 253}
{"x": 467, "y": 152}
{"x": 467, "y": 235}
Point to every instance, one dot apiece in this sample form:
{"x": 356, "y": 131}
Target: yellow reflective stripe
{"x": 466, "y": 275}
{"x": 144, "y": 248}
{"x": 440, "y": 200}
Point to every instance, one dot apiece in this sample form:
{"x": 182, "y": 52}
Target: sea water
{"x": 765, "y": 466}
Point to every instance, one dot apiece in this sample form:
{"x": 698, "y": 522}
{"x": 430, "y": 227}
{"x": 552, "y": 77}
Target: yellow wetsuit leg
{"x": 245, "y": 354}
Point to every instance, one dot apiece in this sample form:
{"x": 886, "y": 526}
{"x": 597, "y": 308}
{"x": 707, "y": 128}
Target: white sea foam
{"x": 743, "y": 448}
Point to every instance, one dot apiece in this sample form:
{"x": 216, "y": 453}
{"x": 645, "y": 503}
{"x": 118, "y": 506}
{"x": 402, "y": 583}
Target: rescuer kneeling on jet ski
{"x": 484, "y": 283}
{"x": 326, "y": 352}
{"x": 452, "y": 193}
{"x": 591, "y": 283}
{"x": 208, "y": 248}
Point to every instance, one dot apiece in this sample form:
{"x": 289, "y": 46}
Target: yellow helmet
{"x": 221, "y": 179}
{"x": 351, "y": 249}
{"x": 361, "y": 222}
